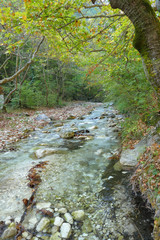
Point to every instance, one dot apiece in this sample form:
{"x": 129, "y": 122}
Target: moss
{"x": 118, "y": 166}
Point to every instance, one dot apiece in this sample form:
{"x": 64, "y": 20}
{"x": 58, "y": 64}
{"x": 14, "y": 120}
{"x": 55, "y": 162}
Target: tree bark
{"x": 147, "y": 35}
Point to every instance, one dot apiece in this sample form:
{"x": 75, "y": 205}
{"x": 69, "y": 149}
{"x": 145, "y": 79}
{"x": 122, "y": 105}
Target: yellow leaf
{"x": 24, "y": 17}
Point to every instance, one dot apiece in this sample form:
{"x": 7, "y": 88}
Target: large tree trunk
{"x": 147, "y": 36}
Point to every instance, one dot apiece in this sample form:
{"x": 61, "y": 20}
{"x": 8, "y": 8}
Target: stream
{"x": 79, "y": 195}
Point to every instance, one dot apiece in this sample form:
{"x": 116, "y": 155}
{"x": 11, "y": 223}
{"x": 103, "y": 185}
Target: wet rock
{"x": 43, "y": 205}
{"x": 93, "y": 127}
{"x": 71, "y": 117}
{"x": 85, "y": 137}
{"x": 112, "y": 115}
{"x": 116, "y": 129}
{"x": 68, "y": 218}
{"x": 65, "y": 230}
{"x": 58, "y": 221}
{"x": 78, "y": 215}
{"x": 11, "y": 231}
{"x": 67, "y": 134}
{"x": 42, "y": 224}
{"x": 55, "y": 236}
{"x": 58, "y": 124}
{"x": 99, "y": 152}
{"x": 113, "y": 125}
{"x": 47, "y": 151}
{"x": 43, "y": 117}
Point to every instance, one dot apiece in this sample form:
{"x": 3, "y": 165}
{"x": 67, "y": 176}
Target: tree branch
{"x": 5, "y": 62}
{"x": 94, "y": 6}
{"x": 9, "y": 79}
{"x": 90, "y": 17}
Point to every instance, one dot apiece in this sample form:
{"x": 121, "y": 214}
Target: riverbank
{"x": 18, "y": 124}
{"x": 144, "y": 159}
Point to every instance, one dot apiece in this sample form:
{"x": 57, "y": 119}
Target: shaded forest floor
{"x": 18, "y": 124}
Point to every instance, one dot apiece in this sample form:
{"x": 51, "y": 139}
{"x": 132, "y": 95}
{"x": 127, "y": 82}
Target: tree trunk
{"x": 147, "y": 36}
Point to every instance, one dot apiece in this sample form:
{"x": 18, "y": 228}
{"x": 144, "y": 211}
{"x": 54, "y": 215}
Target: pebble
{"x": 42, "y": 224}
{"x": 58, "y": 221}
{"x": 65, "y": 230}
{"x": 68, "y": 218}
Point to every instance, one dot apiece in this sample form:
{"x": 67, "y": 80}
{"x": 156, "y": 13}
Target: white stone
{"x": 42, "y": 224}
{"x": 62, "y": 210}
{"x": 42, "y": 205}
{"x": 68, "y": 218}
{"x": 58, "y": 221}
{"x": 65, "y": 230}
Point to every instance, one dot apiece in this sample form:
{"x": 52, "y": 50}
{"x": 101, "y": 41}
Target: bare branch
{"x": 5, "y": 62}
{"x": 90, "y": 17}
{"x": 95, "y": 35}
{"x": 5, "y": 80}
{"x": 94, "y": 6}
{"x": 98, "y": 50}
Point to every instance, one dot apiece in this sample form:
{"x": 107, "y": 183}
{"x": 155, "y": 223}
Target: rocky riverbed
{"x": 61, "y": 184}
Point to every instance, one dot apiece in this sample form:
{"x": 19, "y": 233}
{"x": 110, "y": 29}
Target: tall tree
{"x": 147, "y": 35}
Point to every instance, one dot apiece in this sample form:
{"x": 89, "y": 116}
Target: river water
{"x": 78, "y": 177}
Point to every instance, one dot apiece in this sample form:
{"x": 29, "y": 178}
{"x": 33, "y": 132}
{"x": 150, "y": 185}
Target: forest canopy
{"x": 53, "y": 51}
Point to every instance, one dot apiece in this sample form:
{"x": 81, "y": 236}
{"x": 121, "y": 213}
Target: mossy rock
{"x": 118, "y": 166}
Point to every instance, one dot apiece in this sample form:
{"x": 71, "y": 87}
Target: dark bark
{"x": 147, "y": 35}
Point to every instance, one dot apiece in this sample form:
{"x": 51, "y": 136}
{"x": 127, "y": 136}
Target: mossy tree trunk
{"x": 147, "y": 36}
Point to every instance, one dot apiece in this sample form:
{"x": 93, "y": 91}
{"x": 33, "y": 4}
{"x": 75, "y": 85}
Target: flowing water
{"x": 78, "y": 177}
